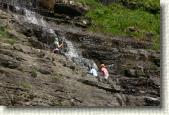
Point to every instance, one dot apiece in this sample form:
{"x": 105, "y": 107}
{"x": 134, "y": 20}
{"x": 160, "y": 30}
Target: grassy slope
{"x": 116, "y": 19}
{"x": 5, "y": 37}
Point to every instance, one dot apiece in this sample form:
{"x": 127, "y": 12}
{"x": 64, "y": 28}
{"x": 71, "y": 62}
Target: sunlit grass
{"x": 5, "y": 37}
{"x": 116, "y": 19}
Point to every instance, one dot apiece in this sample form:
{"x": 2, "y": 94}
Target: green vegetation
{"x": 34, "y": 72}
{"x": 135, "y": 18}
{"x": 5, "y": 37}
{"x": 25, "y": 85}
{"x": 56, "y": 77}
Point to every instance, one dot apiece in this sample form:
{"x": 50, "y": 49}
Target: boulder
{"x": 47, "y": 4}
{"x": 71, "y": 10}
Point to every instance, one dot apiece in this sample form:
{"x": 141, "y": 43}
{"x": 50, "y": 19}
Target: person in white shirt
{"x": 58, "y": 46}
{"x": 93, "y": 72}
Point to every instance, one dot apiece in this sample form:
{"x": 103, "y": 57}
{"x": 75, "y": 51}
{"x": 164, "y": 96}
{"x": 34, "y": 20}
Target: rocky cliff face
{"x": 50, "y": 8}
{"x": 31, "y": 75}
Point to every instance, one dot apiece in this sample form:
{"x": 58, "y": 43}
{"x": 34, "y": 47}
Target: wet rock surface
{"x": 31, "y": 75}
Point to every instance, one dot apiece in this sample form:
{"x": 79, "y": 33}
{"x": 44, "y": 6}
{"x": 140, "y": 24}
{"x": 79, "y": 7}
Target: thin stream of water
{"x": 34, "y": 18}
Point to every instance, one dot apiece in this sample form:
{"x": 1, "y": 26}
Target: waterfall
{"x": 36, "y": 19}
{"x": 44, "y": 24}
{"x": 17, "y": 8}
{"x": 31, "y": 17}
{"x": 71, "y": 50}
{"x": 71, "y": 53}
{"x": 51, "y": 31}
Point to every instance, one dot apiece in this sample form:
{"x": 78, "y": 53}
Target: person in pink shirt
{"x": 104, "y": 71}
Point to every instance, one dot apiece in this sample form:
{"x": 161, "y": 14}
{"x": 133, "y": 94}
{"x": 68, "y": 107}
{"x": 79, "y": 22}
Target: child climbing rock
{"x": 58, "y": 46}
{"x": 104, "y": 74}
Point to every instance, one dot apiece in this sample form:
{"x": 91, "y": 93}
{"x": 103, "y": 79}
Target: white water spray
{"x": 33, "y": 18}
{"x": 71, "y": 50}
